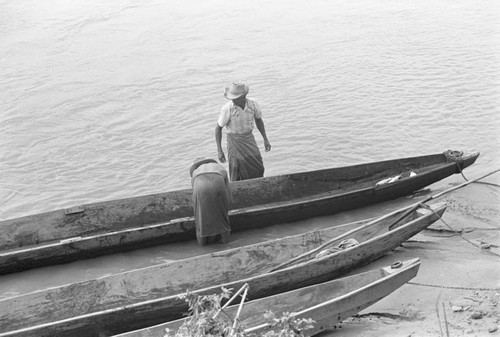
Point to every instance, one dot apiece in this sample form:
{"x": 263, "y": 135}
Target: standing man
{"x": 239, "y": 116}
{"x": 211, "y": 199}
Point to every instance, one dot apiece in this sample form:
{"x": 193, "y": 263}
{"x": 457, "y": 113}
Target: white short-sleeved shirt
{"x": 238, "y": 120}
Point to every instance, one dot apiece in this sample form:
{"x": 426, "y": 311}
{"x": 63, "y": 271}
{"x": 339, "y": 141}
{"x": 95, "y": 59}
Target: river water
{"x": 110, "y": 99}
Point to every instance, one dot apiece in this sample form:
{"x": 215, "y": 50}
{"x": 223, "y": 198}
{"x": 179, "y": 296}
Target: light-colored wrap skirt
{"x": 245, "y": 160}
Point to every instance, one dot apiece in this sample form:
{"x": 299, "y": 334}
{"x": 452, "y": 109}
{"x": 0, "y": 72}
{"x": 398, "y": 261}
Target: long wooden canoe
{"x": 328, "y": 304}
{"x": 101, "y": 228}
{"x": 148, "y": 296}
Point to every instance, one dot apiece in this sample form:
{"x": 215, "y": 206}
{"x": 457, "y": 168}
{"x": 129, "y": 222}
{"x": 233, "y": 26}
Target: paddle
{"x": 415, "y": 206}
{"x": 409, "y": 209}
{"x": 243, "y": 288}
{"x": 237, "y": 318}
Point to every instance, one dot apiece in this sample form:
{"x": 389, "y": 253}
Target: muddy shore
{"x": 457, "y": 289}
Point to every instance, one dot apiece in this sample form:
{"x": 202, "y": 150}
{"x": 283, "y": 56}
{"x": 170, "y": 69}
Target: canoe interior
{"x": 152, "y": 286}
{"x": 344, "y": 182}
{"x": 326, "y": 296}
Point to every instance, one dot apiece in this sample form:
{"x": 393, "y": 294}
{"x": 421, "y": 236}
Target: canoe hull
{"x": 120, "y": 225}
{"x": 132, "y": 300}
{"x": 328, "y": 304}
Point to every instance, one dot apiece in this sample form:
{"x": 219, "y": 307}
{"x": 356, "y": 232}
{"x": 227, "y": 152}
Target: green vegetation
{"x": 207, "y": 318}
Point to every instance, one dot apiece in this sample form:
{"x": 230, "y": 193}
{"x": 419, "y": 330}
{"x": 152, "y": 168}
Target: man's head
{"x": 198, "y": 162}
{"x": 237, "y": 90}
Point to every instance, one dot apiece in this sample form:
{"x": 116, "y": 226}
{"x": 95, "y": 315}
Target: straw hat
{"x": 237, "y": 89}
{"x": 198, "y": 162}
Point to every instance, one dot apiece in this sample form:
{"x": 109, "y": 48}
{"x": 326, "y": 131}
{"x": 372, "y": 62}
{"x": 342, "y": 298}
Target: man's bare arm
{"x": 218, "y": 141}
{"x": 260, "y": 126}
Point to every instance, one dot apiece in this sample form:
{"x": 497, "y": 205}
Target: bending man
{"x": 239, "y": 116}
{"x": 211, "y": 199}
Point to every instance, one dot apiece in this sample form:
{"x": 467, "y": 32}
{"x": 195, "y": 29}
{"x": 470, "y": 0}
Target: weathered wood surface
{"x": 326, "y": 303}
{"x": 120, "y": 225}
{"x": 147, "y": 296}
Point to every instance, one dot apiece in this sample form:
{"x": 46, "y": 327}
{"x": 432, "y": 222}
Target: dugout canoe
{"x": 107, "y": 227}
{"x": 136, "y": 299}
{"x": 328, "y": 303}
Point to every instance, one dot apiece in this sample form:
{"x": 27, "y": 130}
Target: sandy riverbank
{"x": 456, "y": 277}
{"x": 457, "y": 289}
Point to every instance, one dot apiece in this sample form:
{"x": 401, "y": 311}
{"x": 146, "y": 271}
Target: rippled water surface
{"x": 111, "y": 99}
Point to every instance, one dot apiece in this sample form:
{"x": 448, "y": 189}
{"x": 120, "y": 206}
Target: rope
{"x": 437, "y": 313}
{"x": 487, "y": 183}
{"x": 452, "y": 155}
{"x": 452, "y": 287}
{"x": 461, "y": 172}
{"x": 346, "y": 234}
{"x": 460, "y": 233}
{"x": 445, "y": 320}
{"x": 407, "y": 210}
{"x": 472, "y": 243}
{"x": 457, "y": 157}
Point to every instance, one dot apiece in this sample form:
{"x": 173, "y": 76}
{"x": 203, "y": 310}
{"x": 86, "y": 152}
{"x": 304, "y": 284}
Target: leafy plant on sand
{"x": 205, "y": 319}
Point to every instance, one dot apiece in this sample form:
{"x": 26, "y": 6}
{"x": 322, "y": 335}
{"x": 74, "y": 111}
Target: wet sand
{"x": 457, "y": 289}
